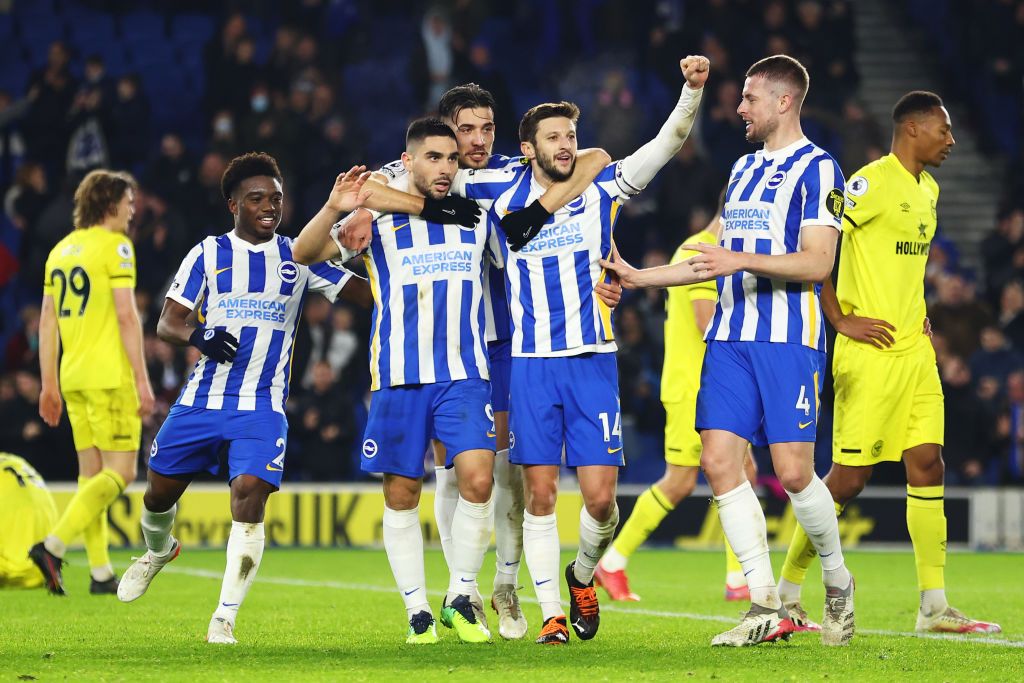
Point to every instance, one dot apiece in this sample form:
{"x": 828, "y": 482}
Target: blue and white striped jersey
{"x": 496, "y": 318}
{"x": 254, "y": 291}
{"x": 550, "y": 282}
{"x": 771, "y": 196}
{"x": 428, "y": 287}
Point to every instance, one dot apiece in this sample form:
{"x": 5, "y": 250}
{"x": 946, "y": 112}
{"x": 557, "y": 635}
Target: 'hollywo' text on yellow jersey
{"x": 684, "y": 342}
{"x": 81, "y": 273}
{"x": 888, "y": 228}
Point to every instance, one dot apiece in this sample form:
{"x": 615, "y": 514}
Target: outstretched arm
{"x": 813, "y": 263}
{"x": 314, "y": 243}
{"x": 640, "y": 167}
{"x": 671, "y": 275}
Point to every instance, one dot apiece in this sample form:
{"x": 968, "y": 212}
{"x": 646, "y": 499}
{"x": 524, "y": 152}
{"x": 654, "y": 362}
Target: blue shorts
{"x": 499, "y": 354}
{"x": 403, "y": 419}
{"x": 571, "y": 401}
{"x": 190, "y": 439}
{"x": 763, "y": 391}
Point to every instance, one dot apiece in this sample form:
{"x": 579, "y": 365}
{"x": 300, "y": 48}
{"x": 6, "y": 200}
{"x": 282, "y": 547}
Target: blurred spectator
{"x": 968, "y": 448}
{"x": 23, "y": 432}
{"x": 311, "y": 339}
{"x": 160, "y": 240}
{"x": 1002, "y": 251}
{"x": 208, "y": 212}
{"x": 639, "y": 374}
{"x": 224, "y": 134}
{"x": 687, "y": 182}
{"x": 1011, "y": 428}
{"x": 172, "y": 174}
{"x": 617, "y": 116}
{"x": 51, "y": 226}
{"x": 26, "y": 199}
{"x": 89, "y": 119}
{"x": 166, "y": 368}
{"x": 129, "y": 124}
{"x": 323, "y": 426}
{"x": 344, "y": 344}
{"x": 436, "y": 34}
{"x": 23, "y": 346}
{"x": 995, "y": 359}
{"x": 957, "y": 315}
{"x": 51, "y": 92}
{"x": 1011, "y": 313}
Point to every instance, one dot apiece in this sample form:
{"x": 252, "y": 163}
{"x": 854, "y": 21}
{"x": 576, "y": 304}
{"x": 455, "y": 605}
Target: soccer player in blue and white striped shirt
{"x": 247, "y": 291}
{"x": 564, "y": 386}
{"x": 766, "y": 350}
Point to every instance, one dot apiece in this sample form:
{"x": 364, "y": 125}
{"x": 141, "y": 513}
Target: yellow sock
{"x": 732, "y": 563}
{"x": 651, "y": 507}
{"x": 97, "y": 538}
{"x": 926, "y": 522}
{"x": 801, "y": 552}
{"x": 88, "y": 503}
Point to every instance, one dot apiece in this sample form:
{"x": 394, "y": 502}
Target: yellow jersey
{"x": 27, "y": 514}
{"x": 888, "y": 228}
{"x": 81, "y": 273}
{"x": 684, "y": 342}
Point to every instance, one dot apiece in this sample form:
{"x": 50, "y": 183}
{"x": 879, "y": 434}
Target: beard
{"x": 758, "y": 135}
{"x": 426, "y": 188}
{"x": 547, "y": 164}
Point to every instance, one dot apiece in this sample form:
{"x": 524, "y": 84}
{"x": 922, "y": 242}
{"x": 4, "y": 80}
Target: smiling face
{"x": 760, "y": 108}
{"x": 553, "y": 148}
{"x": 474, "y": 130}
{"x": 432, "y": 163}
{"x": 256, "y": 204}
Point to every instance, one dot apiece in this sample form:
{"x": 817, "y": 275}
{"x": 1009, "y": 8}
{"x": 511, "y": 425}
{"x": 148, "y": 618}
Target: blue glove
{"x": 218, "y": 345}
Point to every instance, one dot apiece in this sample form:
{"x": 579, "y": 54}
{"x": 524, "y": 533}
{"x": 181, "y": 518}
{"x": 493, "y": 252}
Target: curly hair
{"x": 248, "y": 165}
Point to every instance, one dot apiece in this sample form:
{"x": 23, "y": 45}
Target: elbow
{"x": 163, "y": 330}
{"x": 300, "y": 255}
{"x": 824, "y": 273}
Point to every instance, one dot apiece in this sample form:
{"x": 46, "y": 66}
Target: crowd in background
{"x": 322, "y": 84}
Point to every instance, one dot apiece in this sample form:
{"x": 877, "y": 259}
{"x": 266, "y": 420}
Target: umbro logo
{"x": 905, "y": 207}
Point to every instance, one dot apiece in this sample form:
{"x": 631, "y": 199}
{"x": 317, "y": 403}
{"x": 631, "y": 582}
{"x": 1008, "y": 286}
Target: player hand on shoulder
{"x": 50, "y": 405}
{"x": 620, "y": 271}
{"x": 218, "y": 345}
{"x": 696, "y": 69}
{"x": 451, "y": 209}
{"x": 714, "y": 261}
{"x": 523, "y": 225}
{"x": 348, "y": 193}
{"x": 867, "y": 330}
{"x": 147, "y": 401}
{"x": 355, "y": 231}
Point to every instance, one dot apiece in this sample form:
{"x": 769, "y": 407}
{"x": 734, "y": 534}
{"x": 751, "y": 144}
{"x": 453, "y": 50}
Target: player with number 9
{"x": 90, "y": 322}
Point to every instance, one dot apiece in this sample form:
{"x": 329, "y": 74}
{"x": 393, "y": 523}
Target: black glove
{"x": 452, "y": 209}
{"x": 523, "y": 225}
{"x": 218, "y": 345}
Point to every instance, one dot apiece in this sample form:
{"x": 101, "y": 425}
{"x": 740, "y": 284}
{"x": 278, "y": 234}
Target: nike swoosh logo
{"x": 274, "y": 469}
{"x": 511, "y": 564}
{"x": 615, "y": 450}
{"x": 541, "y": 583}
{"x": 805, "y": 425}
{"x": 221, "y": 270}
{"x": 489, "y": 434}
{"x": 450, "y": 212}
{"x": 464, "y": 580}
{"x": 411, "y": 592}
{"x": 229, "y": 604}
{"x": 399, "y": 227}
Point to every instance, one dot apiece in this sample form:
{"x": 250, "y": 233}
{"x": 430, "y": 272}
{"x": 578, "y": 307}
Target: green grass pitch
{"x": 335, "y": 615}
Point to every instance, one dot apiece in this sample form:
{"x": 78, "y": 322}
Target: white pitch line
{"x": 338, "y": 585}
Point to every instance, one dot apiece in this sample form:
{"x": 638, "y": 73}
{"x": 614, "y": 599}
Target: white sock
{"x": 54, "y": 545}
{"x": 103, "y": 573}
{"x": 156, "y": 529}
{"x": 245, "y": 550}
{"x": 735, "y": 579}
{"x": 789, "y": 591}
{"x": 816, "y": 512}
{"x": 446, "y": 497}
{"x": 471, "y": 534}
{"x": 595, "y": 537}
{"x": 613, "y": 560}
{"x": 743, "y": 523}
{"x": 403, "y": 542}
{"x": 508, "y": 519}
{"x": 933, "y": 601}
{"x": 540, "y": 547}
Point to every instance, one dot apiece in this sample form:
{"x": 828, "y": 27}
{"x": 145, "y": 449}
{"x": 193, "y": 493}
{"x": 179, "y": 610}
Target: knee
{"x": 156, "y": 502}
{"x": 844, "y": 492}
{"x": 601, "y": 506}
{"x": 678, "y": 487}
{"x": 476, "y": 486}
{"x": 541, "y": 497}
{"x": 716, "y": 464}
{"x": 794, "y": 476}
{"x": 128, "y": 471}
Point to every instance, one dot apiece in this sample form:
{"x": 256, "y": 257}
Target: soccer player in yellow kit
{"x": 89, "y": 313}
{"x": 888, "y": 397}
{"x": 27, "y": 511}
{"x": 689, "y": 310}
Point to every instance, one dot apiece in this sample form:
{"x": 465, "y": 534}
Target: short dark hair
{"x": 532, "y": 118}
{"x": 465, "y": 96}
{"x": 428, "y": 127}
{"x": 98, "y": 195}
{"x": 915, "y": 102}
{"x": 784, "y": 69}
{"x": 248, "y": 165}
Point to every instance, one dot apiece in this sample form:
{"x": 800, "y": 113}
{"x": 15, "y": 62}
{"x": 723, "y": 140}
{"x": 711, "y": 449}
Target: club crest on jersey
{"x": 776, "y": 181}
{"x": 369, "y": 448}
{"x": 153, "y": 449}
{"x": 577, "y": 205}
{"x": 288, "y": 271}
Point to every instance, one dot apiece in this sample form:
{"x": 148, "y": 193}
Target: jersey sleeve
{"x": 485, "y": 185}
{"x": 47, "y": 278}
{"x": 119, "y": 263}
{"x": 190, "y": 280}
{"x": 823, "y": 196}
{"x": 393, "y": 170}
{"x": 328, "y": 279}
{"x": 611, "y": 183}
{"x": 863, "y": 199}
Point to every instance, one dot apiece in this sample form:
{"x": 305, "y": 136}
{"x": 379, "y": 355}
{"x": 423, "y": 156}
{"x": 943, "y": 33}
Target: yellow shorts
{"x": 682, "y": 442}
{"x": 885, "y": 403}
{"x": 105, "y": 418}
